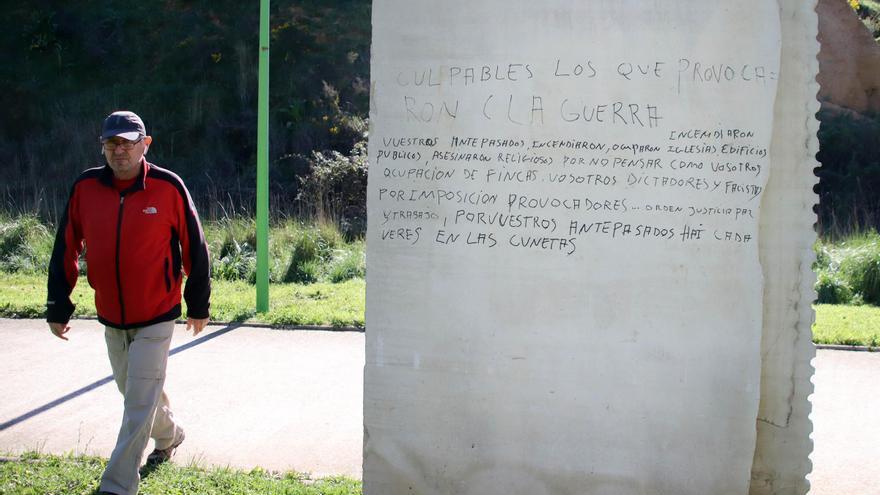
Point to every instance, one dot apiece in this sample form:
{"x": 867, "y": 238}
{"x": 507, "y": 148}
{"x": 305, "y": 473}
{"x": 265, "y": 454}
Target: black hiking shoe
{"x": 158, "y": 456}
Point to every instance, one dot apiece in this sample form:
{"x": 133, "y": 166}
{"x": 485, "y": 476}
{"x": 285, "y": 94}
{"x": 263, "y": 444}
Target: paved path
{"x": 282, "y": 400}
{"x": 293, "y": 400}
{"x": 846, "y": 423}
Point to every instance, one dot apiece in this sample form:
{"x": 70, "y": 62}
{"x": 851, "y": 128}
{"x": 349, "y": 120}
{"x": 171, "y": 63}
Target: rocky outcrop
{"x": 849, "y": 61}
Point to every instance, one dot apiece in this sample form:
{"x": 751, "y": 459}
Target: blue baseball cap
{"x": 124, "y": 124}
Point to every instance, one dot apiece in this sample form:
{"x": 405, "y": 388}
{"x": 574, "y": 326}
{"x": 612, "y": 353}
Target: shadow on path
{"x": 107, "y": 379}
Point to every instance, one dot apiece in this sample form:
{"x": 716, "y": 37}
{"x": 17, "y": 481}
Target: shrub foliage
{"x": 298, "y": 252}
{"x": 849, "y": 271}
{"x": 25, "y": 245}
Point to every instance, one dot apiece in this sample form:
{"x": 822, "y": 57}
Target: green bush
{"x": 330, "y": 235}
{"x": 25, "y": 245}
{"x": 316, "y": 254}
{"x": 309, "y": 251}
{"x": 347, "y": 265}
{"x": 236, "y": 261}
{"x": 336, "y": 187}
{"x": 305, "y": 272}
{"x": 863, "y": 271}
{"x": 831, "y": 290}
{"x": 849, "y": 271}
{"x": 871, "y": 283}
{"x": 823, "y": 256}
{"x": 232, "y": 245}
{"x": 298, "y": 252}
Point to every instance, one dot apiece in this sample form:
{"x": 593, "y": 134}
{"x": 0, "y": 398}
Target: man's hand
{"x": 59, "y": 329}
{"x": 197, "y": 325}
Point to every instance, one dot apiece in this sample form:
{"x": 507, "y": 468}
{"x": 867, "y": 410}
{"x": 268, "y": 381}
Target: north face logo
{"x": 151, "y": 210}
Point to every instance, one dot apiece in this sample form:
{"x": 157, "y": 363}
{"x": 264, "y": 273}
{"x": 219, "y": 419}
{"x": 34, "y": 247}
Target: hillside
{"x": 849, "y": 75}
{"x": 189, "y": 68}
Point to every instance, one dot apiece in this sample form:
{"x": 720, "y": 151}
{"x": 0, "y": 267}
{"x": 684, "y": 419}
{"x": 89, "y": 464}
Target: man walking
{"x": 140, "y": 231}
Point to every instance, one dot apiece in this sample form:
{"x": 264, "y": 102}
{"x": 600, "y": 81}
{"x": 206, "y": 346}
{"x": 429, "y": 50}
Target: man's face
{"x": 124, "y": 156}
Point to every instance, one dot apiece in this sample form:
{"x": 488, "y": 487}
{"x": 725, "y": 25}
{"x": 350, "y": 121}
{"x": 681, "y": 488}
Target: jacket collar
{"x": 140, "y": 184}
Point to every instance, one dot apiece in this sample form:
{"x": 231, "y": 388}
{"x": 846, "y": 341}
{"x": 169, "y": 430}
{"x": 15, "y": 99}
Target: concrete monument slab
{"x": 564, "y": 287}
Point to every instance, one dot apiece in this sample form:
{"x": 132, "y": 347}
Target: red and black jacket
{"x": 136, "y": 242}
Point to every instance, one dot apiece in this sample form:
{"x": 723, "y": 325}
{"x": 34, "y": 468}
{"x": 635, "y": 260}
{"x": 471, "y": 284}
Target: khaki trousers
{"x": 138, "y": 358}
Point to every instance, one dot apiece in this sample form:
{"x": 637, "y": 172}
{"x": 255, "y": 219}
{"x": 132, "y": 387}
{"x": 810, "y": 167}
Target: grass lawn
{"x": 342, "y": 304}
{"x": 847, "y": 325}
{"x": 338, "y": 305}
{"x": 40, "y": 474}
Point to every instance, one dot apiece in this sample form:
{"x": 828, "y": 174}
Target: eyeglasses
{"x": 125, "y": 144}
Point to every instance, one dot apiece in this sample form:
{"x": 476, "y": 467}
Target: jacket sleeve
{"x": 196, "y": 261}
{"x": 64, "y": 264}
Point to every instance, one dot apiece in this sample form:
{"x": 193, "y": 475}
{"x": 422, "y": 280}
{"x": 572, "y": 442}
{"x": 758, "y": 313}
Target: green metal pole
{"x": 263, "y": 164}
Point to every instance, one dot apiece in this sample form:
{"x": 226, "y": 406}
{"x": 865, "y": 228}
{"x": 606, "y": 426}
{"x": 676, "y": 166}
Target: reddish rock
{"x": 849, "y": 60}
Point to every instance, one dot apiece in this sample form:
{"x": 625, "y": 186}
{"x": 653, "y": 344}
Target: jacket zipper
{"x": 118, "y": 272}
